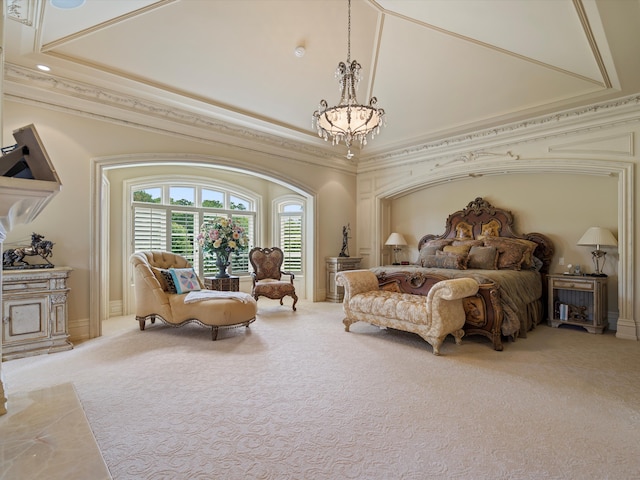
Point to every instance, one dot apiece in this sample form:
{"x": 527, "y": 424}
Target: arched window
{"x": 169, "y": 215}
{"x": 290, "y": 234}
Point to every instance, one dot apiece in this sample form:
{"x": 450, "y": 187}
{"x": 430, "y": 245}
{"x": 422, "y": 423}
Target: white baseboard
{"x": 115, "y": 308}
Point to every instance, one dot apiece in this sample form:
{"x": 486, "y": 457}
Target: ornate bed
{"x": 480, "y": 242}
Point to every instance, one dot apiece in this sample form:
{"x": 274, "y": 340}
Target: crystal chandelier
{"x": 348, "y": 121}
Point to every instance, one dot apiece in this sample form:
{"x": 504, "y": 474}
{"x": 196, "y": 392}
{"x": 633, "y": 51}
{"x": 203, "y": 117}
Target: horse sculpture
{"x": 14, "y": 257}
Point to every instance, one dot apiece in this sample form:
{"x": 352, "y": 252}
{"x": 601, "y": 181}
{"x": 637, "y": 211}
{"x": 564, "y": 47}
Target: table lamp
{"x": 599, "y": 237}
{"x": 396, "y": 240}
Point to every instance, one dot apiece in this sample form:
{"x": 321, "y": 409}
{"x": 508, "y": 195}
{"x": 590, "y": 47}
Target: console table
{"x": 335, "y": 293}
{"x": 34, "y": 312}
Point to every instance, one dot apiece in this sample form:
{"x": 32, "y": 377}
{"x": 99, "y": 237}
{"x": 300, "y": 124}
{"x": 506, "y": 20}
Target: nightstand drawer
{"x": 575, "y": 283}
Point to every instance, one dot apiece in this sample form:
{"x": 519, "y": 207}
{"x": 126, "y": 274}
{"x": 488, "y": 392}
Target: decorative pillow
{"x": 185, "y": 279}
{"x": 511, "y": 252}
{"x": 425, "y": 251}
{"x": 167, "y": 283}
{"x": 456, "y": 262}
{"x": 483, "y": 258}
{"x": 528, "y": 262}
{"x": 471, "y": 243}
{"x": 157, "y": 272}
{"x": 456, "y": 249}
{"x": 438, "y": 242}
{"x": 529, "y": 246}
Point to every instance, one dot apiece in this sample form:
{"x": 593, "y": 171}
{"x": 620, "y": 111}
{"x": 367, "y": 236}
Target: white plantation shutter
{"x": 184, "y": 229}
{"x": 160, "y": 223}
{"x": 240, "y": 261}
{"x": 291, "y": 241}
{"x": 149, "y": 228}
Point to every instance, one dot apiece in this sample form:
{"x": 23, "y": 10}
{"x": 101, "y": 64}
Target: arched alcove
{"x": 378, "y": 192}
{"x": 99, "y": 275}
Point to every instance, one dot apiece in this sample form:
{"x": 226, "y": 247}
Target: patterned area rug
{"x": 296, "y": 397}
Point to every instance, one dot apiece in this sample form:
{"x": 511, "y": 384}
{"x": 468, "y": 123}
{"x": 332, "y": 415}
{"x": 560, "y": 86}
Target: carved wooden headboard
{"x": 481, "y": 218}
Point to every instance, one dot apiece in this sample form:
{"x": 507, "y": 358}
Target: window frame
{"x": 278, "y": 213}
{"x": 204, "y": 266}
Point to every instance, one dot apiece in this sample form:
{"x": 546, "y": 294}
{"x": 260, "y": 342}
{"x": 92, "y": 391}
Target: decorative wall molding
{"x": 616, "y": 145}
{"x": 569, "y": 122}
{"x": 473, "y": 156}
{"x": 23, "y": 11}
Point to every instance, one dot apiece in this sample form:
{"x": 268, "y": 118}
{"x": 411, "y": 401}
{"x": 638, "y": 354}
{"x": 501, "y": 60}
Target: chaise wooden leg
{"x": 214, "y": 333}
{"x": 141, "y": 321}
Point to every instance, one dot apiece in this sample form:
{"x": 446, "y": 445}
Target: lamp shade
{"x": 598, "y": 236}
{"x": 396, "y": 239}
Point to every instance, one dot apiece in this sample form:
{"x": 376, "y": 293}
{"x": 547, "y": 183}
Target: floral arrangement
{"x": 222, "y": 236}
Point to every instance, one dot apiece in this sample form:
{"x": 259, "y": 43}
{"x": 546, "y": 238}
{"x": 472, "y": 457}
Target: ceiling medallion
{"x": 348, "y": 121}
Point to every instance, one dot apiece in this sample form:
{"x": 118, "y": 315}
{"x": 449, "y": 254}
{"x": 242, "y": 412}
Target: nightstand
{"x": 229, "y": 284}
{"x": 578, "y": 300}
{"x": 334, "y": 265}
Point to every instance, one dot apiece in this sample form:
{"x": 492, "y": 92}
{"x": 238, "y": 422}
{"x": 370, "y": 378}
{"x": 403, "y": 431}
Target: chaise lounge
{"x": 154, "y": 299}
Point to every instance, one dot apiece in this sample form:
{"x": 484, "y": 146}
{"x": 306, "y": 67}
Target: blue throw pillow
{"x": 185, "y": 279}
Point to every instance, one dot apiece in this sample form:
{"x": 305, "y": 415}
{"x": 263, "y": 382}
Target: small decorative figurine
{"x": 346, "y": 230}
{"x": 13, "y": 258}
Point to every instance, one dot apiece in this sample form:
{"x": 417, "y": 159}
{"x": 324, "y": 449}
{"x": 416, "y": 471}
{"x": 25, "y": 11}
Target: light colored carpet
{"x": 296, "y": 397}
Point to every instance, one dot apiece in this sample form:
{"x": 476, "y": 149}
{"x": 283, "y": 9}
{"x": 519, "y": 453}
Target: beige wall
{"x": 74, "y": 142}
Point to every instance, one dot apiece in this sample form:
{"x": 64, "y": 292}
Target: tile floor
{"x": 45, "y": 435}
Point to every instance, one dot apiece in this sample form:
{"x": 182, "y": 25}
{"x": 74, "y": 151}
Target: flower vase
{"x": 222, "y": 262}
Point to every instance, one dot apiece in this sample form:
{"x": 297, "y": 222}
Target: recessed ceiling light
{"x": 67, "y": 4}
{"x": 299, "y": 51}
{"x": 44, "y": 68}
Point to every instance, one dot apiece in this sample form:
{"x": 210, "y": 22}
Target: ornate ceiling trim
{"x": 96, "y": 101}
{"x": 554, "y": 125}
{"x": 23, "y": 11}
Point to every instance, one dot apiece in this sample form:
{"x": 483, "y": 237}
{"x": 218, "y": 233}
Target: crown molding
{"x": 105, "y": 104}
{"x": 578, "y": 120}
{"x": 202, "y": 124}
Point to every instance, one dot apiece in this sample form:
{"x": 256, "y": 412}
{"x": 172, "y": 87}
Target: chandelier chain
{"x": 349, "y": 36}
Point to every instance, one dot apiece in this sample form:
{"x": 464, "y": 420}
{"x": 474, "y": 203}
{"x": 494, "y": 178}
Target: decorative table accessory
{"x": 222, "y": 237}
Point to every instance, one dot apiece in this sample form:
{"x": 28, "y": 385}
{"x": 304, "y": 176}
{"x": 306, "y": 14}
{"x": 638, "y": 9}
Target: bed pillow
{"x": 511, "y": 252}
{"x": 185, "y": 279}
{"x": 483, "y": 258}
{"x": 528, "y": 261}
{"x": 456, "y": 249}
{"x": 456, "y": 262}
{"x": 438, "y": 243}
{"x": 527, "y": 257}
{"x": 471, "y": 243}
{"x": 426, "y": 251}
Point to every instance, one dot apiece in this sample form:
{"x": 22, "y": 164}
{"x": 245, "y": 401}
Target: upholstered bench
{"x": 433, "y": 316}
